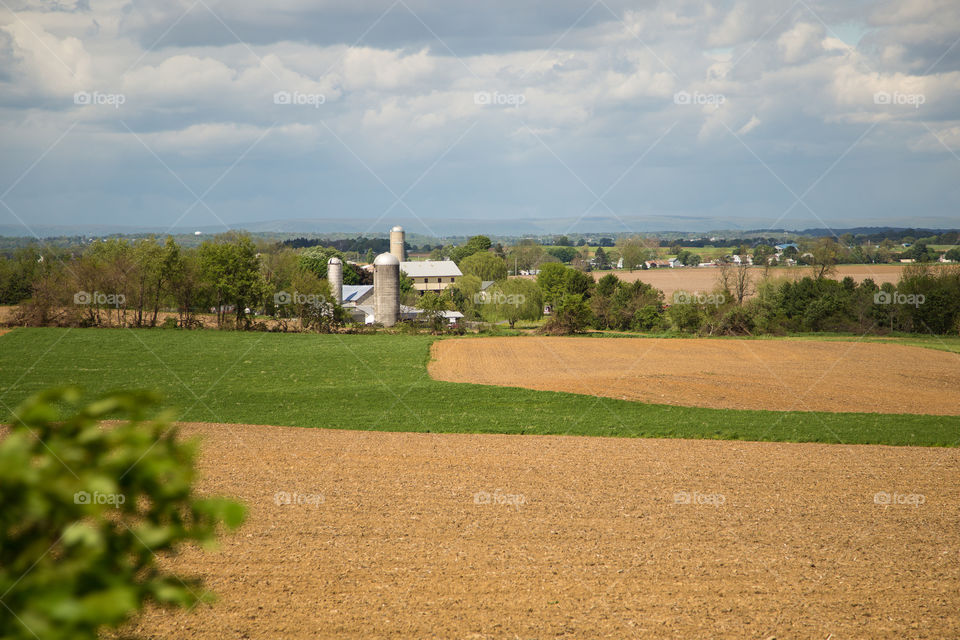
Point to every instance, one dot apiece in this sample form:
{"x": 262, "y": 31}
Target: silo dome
{"x": 334, "y": 260}
{"x": 385, "y": 259}
{"x": 397, "y": 228}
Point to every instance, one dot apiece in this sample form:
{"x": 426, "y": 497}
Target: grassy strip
{"x": 380, "y": 382}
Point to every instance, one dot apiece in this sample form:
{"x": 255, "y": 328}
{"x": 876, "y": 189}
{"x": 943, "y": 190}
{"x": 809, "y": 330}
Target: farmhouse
{"x": 427, "y": 275}
{"x": 432, "y": 275}
{"x": 380, "y": 302}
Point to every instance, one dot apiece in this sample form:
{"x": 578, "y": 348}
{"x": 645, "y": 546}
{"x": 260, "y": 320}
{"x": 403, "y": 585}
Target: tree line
{"x": 925, "y": 300}
{"x": 232, "y": 282}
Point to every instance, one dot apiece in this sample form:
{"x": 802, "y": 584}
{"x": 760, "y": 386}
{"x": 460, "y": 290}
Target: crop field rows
{"x": 433, "y": 496}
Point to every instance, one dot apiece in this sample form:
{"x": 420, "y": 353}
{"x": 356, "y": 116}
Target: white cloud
{"x": 605, "y": 87}
{"x": 752, "y": 124}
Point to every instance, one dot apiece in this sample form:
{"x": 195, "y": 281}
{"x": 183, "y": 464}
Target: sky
{"x": 565, "y": 116}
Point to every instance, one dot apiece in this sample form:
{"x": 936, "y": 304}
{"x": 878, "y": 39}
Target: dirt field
{"x": 705, "y": 280}
{"x": 600, "y": 537}
{"x": 728, "y": 374}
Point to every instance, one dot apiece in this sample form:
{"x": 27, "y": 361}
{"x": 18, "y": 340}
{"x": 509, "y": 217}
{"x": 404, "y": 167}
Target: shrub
{"x": 84, "y": 511}
{"x": 572, "y": 315}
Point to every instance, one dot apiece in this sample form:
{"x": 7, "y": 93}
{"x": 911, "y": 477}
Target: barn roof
{"x": 431, "y": 269}
{"x": 354, "y": 292}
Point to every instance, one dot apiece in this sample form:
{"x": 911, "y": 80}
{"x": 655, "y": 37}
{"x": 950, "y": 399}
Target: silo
{"x": 335, "y": 278}
{"x": 397, "y": 239}
{"x": 386, "y": 289}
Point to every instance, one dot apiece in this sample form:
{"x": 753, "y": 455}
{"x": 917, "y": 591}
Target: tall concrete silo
{"x": 386, "y": 289}
{"x": 397, "y": 239}
{"x": 335, "y": 278}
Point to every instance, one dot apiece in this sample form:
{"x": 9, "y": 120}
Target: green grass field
{"x": 380, "y": 382}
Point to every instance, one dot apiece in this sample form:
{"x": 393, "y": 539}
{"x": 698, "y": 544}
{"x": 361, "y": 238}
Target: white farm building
{"x": 431, "y": 275}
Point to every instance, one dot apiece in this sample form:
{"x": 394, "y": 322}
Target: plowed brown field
{"x": 783, "y": 375}
{"x": 704, "y": 280}
{"x": 613, "y": 538}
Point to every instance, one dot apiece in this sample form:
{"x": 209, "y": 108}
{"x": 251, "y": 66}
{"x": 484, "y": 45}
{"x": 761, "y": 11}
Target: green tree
{"x": 485, "y": 266}
{"x": 475, "y": 244}
{"x": 23, "y": 270}
{"x": 433, "y": 304}
{"x": 761, "y": 257}
{"x": 634, "y": 251}
{"x": 601, "y": 259}
{"x": 578, "y": 283}
{"x": 465, "y": 295}
{"x": 525, "y": 255}
{"x": 826, "y": 255}
{"x": 689, "y": 259}
{"x": 513, "y": 300}
{"x": 570, "y": 315}
{"x": 148, "y": 278}
{"x": 86, "y": 510}
{"x": 185, "y": 281}
{"x": 231, "y": 265}
{"x": 315, "y": 259}
{"x": 563, "y": 254}
{"x": 551, "y": 281}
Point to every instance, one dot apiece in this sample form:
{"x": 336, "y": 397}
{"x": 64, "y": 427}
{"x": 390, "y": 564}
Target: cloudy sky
{"x": 631, "y": 115}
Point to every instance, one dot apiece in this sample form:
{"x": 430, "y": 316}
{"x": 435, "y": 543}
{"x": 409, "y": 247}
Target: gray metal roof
{"x": 431, "y": 269}
{"x": 354, "y": 292}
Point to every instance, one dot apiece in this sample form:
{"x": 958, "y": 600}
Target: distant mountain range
{"x": 593, "y": 225}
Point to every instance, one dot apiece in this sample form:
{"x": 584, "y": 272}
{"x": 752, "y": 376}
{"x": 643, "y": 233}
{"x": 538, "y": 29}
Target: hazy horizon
{"x": 453, "y": 118}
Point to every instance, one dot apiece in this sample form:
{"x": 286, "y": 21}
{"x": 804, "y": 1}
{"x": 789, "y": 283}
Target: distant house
{"x": 659, "y": 264}
{"x": 414, "y": 314}
{"x": 674, "y": 263}
{"x": 365, "y": 314}
{"x": 431, "y": 275}
{"x": 742, "y": 260}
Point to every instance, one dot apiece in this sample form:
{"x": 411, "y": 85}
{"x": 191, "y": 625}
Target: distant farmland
{"x": 704, "y": 279}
